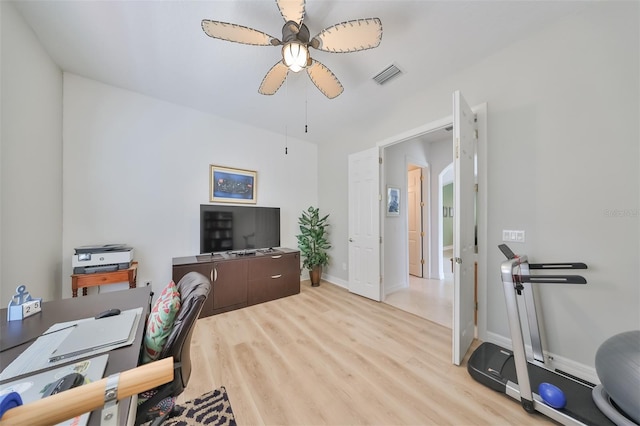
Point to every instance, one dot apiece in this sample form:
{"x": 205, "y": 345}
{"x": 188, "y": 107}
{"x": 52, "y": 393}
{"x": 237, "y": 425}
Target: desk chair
{"x": 194, "y": 289}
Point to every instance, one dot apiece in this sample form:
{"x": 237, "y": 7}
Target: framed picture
{"x": 227, "y": 185}
{"x": 393, "y": 201}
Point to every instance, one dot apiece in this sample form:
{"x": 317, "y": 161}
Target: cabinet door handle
{"x": 277, "y": 256}
{"x": 214, "y": 275}
{"x": 276, "y": 276}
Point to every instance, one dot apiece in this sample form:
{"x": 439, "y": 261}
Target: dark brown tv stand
{"x": 243, "y": 279}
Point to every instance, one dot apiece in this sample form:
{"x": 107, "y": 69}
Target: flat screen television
{"x": 236, "y": 228}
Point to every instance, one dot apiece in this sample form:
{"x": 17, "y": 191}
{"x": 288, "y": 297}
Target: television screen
{"x": 233, "y": 228}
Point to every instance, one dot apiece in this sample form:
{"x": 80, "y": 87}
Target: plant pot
{"x": 314, "y": 275}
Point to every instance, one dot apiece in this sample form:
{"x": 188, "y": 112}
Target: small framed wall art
{"x": 393, "y": 201}
{"x": 228, "y": 185}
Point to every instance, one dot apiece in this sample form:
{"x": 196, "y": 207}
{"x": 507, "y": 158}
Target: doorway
{"x": 422, "y": 288}
{"x": 389, "y": 269}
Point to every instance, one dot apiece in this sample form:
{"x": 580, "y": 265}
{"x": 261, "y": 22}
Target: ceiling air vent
{"x": 387, "y": 74}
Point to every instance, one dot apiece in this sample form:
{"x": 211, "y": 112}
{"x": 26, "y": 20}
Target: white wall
{"x": 136, "y": 171}
{"x": 30, "y": 163}
{"x": 563, "y": 155}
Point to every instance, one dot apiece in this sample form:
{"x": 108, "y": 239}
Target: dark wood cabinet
{"x": 273, "y": 277}
{"x": 243, "y": 280}
{"x": 229, "y": 285}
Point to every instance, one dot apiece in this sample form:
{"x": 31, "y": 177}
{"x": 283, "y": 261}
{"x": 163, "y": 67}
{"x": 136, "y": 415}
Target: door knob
{"x": 459, "y": 260}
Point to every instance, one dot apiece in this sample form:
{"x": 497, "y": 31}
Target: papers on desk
{"x": 88, "y": 336}
{"x": 69, "y": 341}
{"x": 31, "y": 388}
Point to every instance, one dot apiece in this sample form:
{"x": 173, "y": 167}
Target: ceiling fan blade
{"x": 350, "y": 36}
{"x": 292, "y": 10}
{"x": 324, "y": 80}
{"x": 237, "y": 33}
{"x": 274, "y": 79}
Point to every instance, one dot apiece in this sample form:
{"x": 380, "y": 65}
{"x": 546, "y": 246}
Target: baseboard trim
{"x": 335, "y": 280}
{"x": 554, "y": 361}
{"x": 344, "y": 284}
{"x": 394, "y": 288}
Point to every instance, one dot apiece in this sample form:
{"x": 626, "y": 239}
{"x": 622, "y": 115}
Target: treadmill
{"x": 510, "y": 372}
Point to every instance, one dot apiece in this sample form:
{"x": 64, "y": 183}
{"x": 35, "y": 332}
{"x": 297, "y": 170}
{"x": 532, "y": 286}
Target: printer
{"x": 101, "y": 258}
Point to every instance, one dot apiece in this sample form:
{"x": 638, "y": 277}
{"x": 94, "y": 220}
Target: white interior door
{"x": 414, "y": 205}
{"x": 364, "y": 223}
{"x": 463, "y": 226}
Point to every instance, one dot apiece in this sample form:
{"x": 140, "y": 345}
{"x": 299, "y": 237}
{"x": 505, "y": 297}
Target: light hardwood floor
{"x": 329, "y": 357}
{"x": 429, "y": 299}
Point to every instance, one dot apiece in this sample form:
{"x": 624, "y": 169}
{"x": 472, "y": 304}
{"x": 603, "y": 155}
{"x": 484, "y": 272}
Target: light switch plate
{"x": 513, "y": 236}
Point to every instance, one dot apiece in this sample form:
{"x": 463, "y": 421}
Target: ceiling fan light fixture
{"x": 349, "y": 36}
{"x": 295, "y": 55}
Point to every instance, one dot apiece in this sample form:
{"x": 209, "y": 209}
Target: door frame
{"x": 481, "y": 113}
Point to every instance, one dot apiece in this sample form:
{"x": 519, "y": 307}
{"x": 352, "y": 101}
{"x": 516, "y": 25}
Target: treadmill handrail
{"x": 568, "y": 265}
{"x": 517, "y": 339}
{"x": 552, "y": 279}
{"x": 513, "y": 269}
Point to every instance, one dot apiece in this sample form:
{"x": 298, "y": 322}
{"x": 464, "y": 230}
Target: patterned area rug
{"x": 211, "y": 408}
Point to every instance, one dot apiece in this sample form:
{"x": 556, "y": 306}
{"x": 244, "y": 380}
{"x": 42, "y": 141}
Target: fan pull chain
{"x": 286, "y": 127}
{"x": 306, "y": 106}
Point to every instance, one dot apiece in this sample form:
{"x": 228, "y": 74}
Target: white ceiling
{"x": 158, "y": 48}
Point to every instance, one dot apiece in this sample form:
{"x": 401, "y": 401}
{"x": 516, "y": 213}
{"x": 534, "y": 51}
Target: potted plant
{"x": 313, "y": 244}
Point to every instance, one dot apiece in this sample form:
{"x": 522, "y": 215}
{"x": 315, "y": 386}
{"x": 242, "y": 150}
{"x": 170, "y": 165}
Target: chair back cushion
{"x": 160, "y": 322}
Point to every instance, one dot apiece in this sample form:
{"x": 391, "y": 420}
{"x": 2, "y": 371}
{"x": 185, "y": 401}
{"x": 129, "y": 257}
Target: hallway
{"x": 427, "y": 298}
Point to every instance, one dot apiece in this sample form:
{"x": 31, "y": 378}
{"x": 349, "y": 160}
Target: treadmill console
{"x": 507, "y": 251}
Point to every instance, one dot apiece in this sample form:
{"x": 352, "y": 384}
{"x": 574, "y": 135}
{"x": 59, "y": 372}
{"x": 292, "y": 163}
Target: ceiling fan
{"x": 350, "y": 36}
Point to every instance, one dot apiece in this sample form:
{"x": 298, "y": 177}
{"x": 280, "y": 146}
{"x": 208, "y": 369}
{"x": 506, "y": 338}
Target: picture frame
{"x": 230, "y": 185}
{"x": 393, "y": 201}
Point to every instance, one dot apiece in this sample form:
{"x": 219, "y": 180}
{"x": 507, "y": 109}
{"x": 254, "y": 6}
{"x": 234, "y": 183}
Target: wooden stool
{"x": 91, "y": 280}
